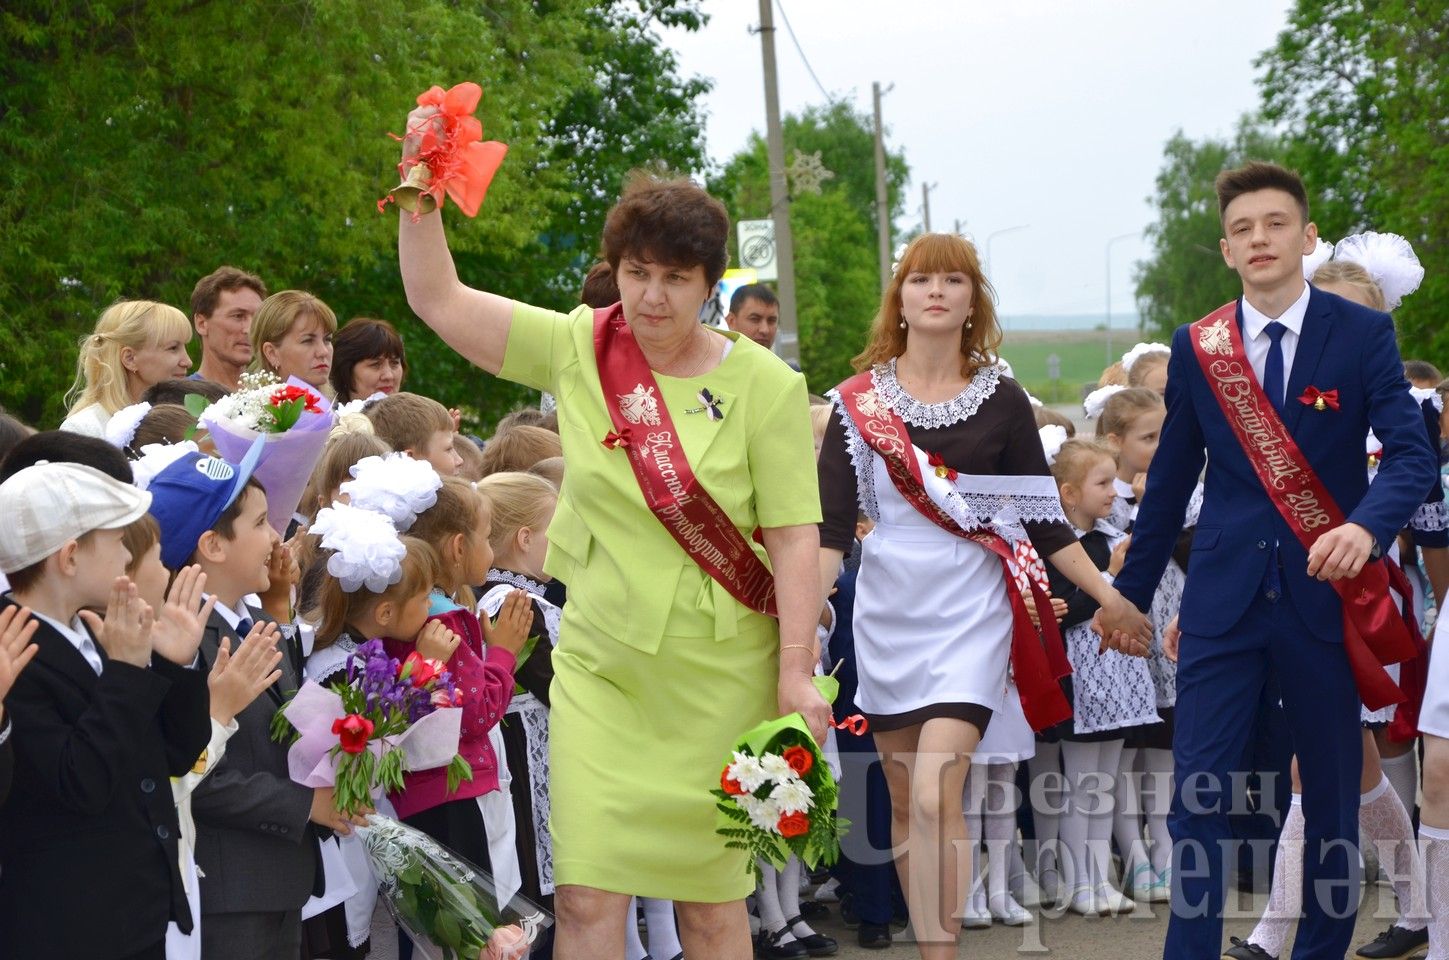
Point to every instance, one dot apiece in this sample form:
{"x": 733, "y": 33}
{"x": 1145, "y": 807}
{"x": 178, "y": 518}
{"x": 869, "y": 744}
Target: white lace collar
{"x": 934, "y": 415}
{"x": 496, "y": 575}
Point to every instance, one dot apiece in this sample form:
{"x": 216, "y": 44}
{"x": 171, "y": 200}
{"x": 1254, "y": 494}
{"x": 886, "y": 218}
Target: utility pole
{"x": 788, "y": 346}
{"x": 882, "y": 202}
{"x": 926, "y": 189}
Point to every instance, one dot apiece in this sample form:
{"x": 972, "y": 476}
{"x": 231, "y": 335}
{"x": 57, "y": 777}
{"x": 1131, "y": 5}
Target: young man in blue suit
{"x": 1260, "y": 598}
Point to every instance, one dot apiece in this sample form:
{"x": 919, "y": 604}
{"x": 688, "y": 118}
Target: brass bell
{"x": 1320, "y": 405}
{"x": 412, "y": 194}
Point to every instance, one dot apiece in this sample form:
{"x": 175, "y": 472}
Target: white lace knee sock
{"x": 767, "y": 895}
{"x": 1434, "y": 851}
{"x": 1046, "y": 792}
{"x": 1156, "y": 803}
{"x": 1403, "y": 773}
{"x": 1385, "y": 823}
{"x": 1285, "y": 902}
{"x": 998, "y": 830}
{"x": 1127, "y": 814}
{"x": 660, "y": 926}
{"x": 790, "y": 897}
{"x": 633, "y": 946}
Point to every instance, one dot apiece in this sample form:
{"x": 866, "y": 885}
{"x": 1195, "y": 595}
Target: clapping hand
{"x": 510, "y": 630}
{"x": 182, "y": 619}
{"x": 236, "y": 680}
{"x": 437, "y": 642}
{"x": 17, "y": 626}
{"x": 125, "y": 633}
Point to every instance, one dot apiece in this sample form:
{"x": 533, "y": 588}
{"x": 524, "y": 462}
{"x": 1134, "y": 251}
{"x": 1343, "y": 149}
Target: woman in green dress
{"x": 659, "y": 667}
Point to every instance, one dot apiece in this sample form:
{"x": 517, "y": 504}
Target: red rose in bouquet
{"x": 729, "y": 786}
{"x": 353, "y": 731}
{"x": 799, "y": 759}
{"x": 793, "y": 825}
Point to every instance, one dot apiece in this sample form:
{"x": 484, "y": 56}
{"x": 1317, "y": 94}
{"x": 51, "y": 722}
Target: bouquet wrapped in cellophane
{"x": 777, "y": 795}
{"x": 294, "y": 418}
{"x": 446, "y": 905}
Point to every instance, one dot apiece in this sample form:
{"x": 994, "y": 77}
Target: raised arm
{"x": 473, "y": 322}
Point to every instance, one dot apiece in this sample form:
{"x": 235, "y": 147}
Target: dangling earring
{"x": 968, "y": 319}
{"x": 903, "y": 323}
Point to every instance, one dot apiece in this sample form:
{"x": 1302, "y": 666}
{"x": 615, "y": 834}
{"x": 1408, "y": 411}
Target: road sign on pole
{"x": 757, "y": 247}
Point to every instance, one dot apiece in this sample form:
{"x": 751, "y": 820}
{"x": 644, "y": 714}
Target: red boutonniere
{"x": 612, "y": 439}
{"x": 1319, "y": 399}
{"x": 942, "y": 471}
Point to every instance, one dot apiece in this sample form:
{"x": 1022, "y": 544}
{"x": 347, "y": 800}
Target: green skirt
{"x": 636, "y": 743}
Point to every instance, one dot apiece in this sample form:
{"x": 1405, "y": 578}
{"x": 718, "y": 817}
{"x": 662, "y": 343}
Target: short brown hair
{"x": 163, "y": 423}
{"x": 176, "y": 390}
{"x": 139, "y": 536}
{"x": 551, "y": 470}
{"x": 937, "y": 253}
{"x": 600, "y": 290}
{"x": 407, "y": 421}
{"x": 471, "y": 454}
{"x": 362, "y": 339}
{"x": 1257, "y": 175}
{"x": 519, "y": 448}
{"x": 670, "y": 222}
{"x": 1046, "y": 416}
{"x": 209, "y": 288}
{"x": 1422, "y": 371}
{"x": 527, "y": 417}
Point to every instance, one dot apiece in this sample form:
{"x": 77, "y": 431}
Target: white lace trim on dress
{"x": 332, "y": 659}
{"x": 1004, "y": 503}
{"x": 862, "y": 458}
{"x": 934, "y": 415}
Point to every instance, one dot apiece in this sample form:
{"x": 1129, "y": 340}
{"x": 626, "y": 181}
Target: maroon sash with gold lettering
{"x": 1374, "y": 632}
{"x": 1038, "y": 661}
{"x": 645, "y": 431}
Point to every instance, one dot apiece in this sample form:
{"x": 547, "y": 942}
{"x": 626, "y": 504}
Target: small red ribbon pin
{"x": 1319, "y": 399}
{"x": 942, "y": 471}
{"x": 612, "y": 439}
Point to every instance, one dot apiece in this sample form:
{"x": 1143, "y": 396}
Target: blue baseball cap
{"x": 189, "y": 497}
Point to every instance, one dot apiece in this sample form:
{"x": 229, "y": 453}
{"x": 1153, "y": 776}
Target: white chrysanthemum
{"x": 121, "y": 428}
{"x": 1097, "y": 399}
{"x": 1130, "y": 358}
{"x": 156, "y": 457}
{"x": 1052, "y": 437}
{"x": 764, "y": 814}
{"x": 747, "y": 773}
{"x": 367, "y": 550}
{"x": 793, "y": 796}
{"x": 396, "y": 486}
{"x": 776, "y": 768}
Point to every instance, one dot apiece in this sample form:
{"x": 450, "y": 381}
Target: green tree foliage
{"x": 1362, "y": 89}
{"x": 837, "y": 280}
{"x": 1184, "y": 277}
{"x": 146, "y": 144}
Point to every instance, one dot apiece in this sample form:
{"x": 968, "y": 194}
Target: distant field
{"x": 1083, "y": 354}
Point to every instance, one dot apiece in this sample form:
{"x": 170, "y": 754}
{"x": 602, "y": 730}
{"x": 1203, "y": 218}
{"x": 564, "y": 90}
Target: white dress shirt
{"x": 79, "y": 638}
{"x": 1256, "y": 341}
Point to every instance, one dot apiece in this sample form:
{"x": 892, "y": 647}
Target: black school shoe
{"x": 814, "y": 910}
{"x": 874, "y": 936}
{"x": 769, "y": 947}
{"x": 1243, "y": 950}
{"x": 817, "y": 945}
{"x": 1395, "y": 943}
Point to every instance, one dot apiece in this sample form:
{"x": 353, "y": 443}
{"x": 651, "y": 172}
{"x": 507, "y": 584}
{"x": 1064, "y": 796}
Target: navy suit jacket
{"x": 1343, "y": 347}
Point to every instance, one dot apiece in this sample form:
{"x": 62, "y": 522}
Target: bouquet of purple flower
{"x": 362, "y": 734}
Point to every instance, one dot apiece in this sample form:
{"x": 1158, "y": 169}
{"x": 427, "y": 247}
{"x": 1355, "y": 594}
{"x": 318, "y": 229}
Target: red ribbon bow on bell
{"x": 1319, "y": 399}
{"x": 942, "y": 471}
{"x": 612, "y": 439}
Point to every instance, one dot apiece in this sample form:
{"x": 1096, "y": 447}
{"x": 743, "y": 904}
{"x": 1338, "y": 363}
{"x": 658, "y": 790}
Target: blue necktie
{"x": 1273, "y": 369}
{"x": 243, "y": 627}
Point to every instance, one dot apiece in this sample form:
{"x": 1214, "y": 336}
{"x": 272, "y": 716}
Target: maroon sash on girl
{"x": 643, "y": 427}
{"x": 1038, "y": 661}
{"x": 1374, "y": 632}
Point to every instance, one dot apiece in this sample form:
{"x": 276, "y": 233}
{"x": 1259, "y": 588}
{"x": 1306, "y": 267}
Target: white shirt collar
{"x": 1255, "y": 321}
{"x": 79, "y": 637}
{"x": 227, "y": 613}
{"x": 1122, "y": 487}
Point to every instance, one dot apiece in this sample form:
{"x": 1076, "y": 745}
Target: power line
{"x": 800, "y": 50}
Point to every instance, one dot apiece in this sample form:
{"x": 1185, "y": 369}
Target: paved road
{"x": 1135, "y": 937}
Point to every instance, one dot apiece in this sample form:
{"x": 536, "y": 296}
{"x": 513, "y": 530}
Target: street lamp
{"x": 1110, "y": 242}
{"x": 996, "y": 233}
